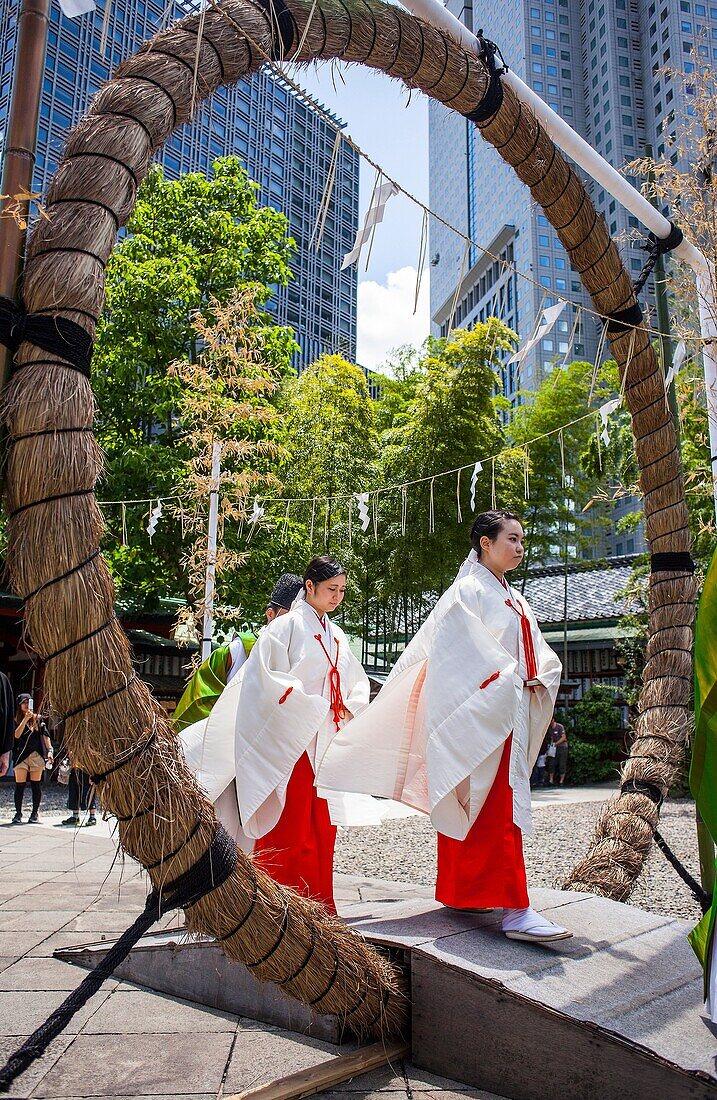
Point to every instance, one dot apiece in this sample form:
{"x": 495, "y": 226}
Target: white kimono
{"x": 277, "y": 708}
{"x": 434, "y": 736}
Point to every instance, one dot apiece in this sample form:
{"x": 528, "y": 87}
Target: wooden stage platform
{"x": 613, "y": 1014}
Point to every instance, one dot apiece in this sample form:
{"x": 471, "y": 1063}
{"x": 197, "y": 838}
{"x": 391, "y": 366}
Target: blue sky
{"x": 393, "y": 131}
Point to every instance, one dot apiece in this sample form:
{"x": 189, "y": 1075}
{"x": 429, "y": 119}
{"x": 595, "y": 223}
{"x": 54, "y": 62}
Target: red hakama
{"x": 487, "y": 869}
{"x": 299, "y": 850}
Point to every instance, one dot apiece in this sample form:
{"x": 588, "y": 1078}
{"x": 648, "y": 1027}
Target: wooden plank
{"x": 327, "y": 1074}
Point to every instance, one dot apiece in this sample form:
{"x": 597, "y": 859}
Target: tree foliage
{"x": 191, "y": 243}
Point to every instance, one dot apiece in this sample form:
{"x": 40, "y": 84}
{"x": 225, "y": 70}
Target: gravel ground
{"x": 404, "y": 850}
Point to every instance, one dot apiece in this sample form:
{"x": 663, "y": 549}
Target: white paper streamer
{"x": 154, "y": 519}
{"x": 257, "y": 512}
{"x": 73, "y": 8}
{"x": 474, "y": 480}
{"x": 374, "y": 216}
{"x": 550, "y": 316}
{"x": 605, "y": 411}
{"x": 362, "y": 502}
{"x": 678, "y": 362}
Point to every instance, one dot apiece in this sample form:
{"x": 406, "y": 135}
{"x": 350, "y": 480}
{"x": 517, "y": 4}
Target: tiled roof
{"x": 592, "y": 591}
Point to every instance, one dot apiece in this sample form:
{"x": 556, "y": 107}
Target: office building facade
{"x": 283, "y": 140}
{"x": 600, "y": 64}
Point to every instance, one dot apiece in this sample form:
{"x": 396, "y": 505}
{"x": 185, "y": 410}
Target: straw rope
{"x": 283, "y": 938}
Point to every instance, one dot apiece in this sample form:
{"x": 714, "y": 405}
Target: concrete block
{"x": 110, "y": 1066}
{"x": 197, "y": 970}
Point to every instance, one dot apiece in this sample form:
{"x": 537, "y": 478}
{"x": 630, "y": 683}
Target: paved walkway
{"x": 60, "y": 888}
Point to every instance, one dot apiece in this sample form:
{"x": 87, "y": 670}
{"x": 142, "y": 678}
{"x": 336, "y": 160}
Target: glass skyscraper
{"x": 601, "y": 65}
{"x": 281, "y": 138}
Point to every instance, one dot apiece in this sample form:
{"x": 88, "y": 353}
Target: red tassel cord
{"x": 338, "y": 708}
{"x": 531, "y": 665}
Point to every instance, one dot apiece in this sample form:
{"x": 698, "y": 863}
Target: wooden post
{"x": 328, "y": 1074}
{"x": 19, "y": 155}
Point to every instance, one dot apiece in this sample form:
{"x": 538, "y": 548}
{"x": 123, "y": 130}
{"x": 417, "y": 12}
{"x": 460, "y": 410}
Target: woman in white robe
{"x": 300, "y": 684}
{"x": 457, "y": 728}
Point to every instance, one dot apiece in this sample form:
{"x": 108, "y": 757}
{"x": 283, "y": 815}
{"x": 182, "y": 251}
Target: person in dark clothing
{"x": 80, "y": 798}
{"x": 7, "y": 722}
{"x": 32, "y": 750}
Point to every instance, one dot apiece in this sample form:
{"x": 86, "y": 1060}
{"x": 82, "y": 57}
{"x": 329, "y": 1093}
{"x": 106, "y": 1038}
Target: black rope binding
{"x": 211, "y": 870}
{"x": 701, "y": 895}
{"x": 656, "y": 247}
{"x": 280, "y": 20}
{"x": 653, "y": 792}
{"x": 672, "y": 561}
{"x": 493, "y": 96}
{"x": 642, "y": 786}
{"x": 58, "y": 335}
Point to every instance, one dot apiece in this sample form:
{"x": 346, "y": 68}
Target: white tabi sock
{"x": 530, "y": 923}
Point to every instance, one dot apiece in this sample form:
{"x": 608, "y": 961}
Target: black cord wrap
{"x": 653, "y": 792}
{"x": 58, "y": 335}
{"x": 138, "y": 750}
{"x": 656, "y": 247}
{"x": 211, "y": 870}
{"x": 280, "y": 20}
{"x": 672, "y": 562}
{"x": 493, "y": 96}
{"x": 100, "y": 699}
{"x": 78, "y": 641}
{"x": 61, "y": 576}
{"x": 624, "y": 319}
{"x": 642, "y": 786}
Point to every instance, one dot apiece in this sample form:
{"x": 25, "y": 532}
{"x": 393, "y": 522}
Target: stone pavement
{"x": 62, "y": 887}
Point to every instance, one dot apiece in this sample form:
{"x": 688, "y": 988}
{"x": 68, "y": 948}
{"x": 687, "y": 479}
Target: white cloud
{"x": 385, "y": 315}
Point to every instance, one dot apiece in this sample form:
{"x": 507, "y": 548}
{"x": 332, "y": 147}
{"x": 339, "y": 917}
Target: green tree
{"x": 442, "y": 414}
{"x": 191, "y": 243}
{"x": 333, "y": 445}
{"x": 561, "y": 486}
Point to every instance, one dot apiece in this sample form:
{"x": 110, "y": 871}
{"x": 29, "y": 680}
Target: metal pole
{"x": 19, "y": 155}
{"x": 208, "y": 630}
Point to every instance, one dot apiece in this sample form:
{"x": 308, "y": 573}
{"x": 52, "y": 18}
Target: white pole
{"x": 208, "y": 630}
{"x": 433, "y": 12}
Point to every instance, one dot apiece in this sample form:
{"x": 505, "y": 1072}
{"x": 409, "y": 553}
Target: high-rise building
{"x": 599, "y": 64}
{"x": 282, "y": 139}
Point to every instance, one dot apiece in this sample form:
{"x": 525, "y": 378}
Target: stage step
{"x": 614, "y": 1013}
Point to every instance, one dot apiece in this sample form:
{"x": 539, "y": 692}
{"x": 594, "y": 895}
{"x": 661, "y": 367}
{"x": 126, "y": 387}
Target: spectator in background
{"x": 538, "y": 777}
{"x": 557, "y": 752}
{"x": 81, "y": 795}
{"x": 31, "y": 753}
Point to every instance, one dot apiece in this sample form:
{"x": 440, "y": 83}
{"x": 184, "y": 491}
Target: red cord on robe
{"x": 338, "y": 709}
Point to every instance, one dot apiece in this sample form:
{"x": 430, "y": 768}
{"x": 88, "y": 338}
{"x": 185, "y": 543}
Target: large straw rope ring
{"x": 154, "y": 796}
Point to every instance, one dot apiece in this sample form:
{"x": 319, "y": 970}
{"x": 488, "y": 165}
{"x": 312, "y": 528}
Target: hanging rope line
{"x": 505, "y": 264}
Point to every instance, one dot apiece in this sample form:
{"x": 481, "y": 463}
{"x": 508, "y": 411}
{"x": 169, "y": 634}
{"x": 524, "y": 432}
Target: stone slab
{"x": 196, "y": 969}
{"x": 109, "y": 1065}
{"x": 34, "y": 1074}
{"x": 134, "y": 1011}
{"x": 263, "y": 1054}
{"x": 36, "y": 974}
{"x": 22, "y": 1012}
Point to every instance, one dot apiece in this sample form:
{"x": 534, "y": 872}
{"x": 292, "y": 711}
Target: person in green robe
{"x": 224, "y": 662}
{"x": 703, "y": 768}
